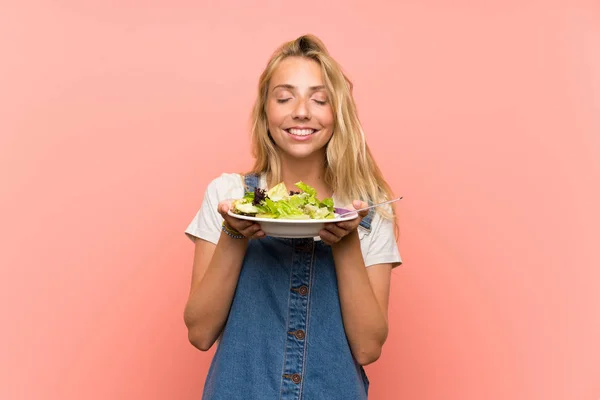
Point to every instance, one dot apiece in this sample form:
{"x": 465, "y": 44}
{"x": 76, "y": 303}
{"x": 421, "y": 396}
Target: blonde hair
{"x": 351, "y": 171}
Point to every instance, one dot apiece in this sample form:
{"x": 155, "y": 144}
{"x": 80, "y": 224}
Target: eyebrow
{"x": 292, "y": 87}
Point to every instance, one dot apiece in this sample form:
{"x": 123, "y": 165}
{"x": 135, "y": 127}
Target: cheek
{"x": 327, "y": 119}
{"x": 274, "y": 116}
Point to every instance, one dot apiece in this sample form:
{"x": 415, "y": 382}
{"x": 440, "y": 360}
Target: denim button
{"x": 303, "y": 290}
{"x": 296, "y": 378}
{"x": 299, "y": 334}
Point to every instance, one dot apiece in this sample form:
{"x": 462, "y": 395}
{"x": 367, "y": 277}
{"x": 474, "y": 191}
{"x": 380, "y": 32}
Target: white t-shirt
{"x": 378, "y": 246}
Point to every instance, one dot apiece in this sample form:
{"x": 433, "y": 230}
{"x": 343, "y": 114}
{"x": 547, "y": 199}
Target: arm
{"x": 215, "y": 274}
{"x": 364, "y": 295}
{"x": 364, "y": 292}
{"x": 214, "y": 278}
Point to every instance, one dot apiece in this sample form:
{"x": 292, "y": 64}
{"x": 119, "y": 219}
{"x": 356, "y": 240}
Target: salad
{"x": 278, "y": 203}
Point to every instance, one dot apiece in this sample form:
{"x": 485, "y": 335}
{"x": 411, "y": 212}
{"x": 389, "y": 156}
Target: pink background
{"x": 485, "y": 116}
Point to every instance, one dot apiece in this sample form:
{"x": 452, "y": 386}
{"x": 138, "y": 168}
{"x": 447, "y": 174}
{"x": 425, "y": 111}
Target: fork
{"x": 366, "y": 208}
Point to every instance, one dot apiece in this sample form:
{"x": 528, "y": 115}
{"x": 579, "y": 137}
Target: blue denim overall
{"x": 284, "y": 337}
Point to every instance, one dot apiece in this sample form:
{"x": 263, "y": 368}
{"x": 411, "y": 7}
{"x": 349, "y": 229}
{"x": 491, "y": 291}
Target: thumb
{"x": 357, "y": 204}
{"x": 224, "y": 206}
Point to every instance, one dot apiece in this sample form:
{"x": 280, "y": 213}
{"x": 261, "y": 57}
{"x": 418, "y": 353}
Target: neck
{"x": 310, "y": 170}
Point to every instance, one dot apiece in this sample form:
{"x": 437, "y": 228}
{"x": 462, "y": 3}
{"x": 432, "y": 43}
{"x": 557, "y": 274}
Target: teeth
{"x": 301, "y": 132}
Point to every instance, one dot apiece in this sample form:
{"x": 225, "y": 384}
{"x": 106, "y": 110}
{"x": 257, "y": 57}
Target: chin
{"x": 299, "y": 155}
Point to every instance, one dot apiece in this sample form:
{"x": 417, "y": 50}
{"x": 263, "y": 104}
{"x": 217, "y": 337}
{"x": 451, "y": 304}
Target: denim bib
{"x": 284, "y": 338}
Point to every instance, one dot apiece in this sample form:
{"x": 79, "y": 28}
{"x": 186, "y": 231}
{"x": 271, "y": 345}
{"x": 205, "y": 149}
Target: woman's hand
{"x": 249, "y": 229}
{"x": 333, "y": 233}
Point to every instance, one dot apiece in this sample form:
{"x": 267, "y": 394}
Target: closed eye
{"x": 322, "y": 103}
{"x": 282, "y": 100}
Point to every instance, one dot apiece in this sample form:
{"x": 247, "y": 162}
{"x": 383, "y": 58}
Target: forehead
{"x": 301, "y": 72}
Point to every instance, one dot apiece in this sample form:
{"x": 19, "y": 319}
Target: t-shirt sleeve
{"x": 382, "y": 248}
{"x": 207, "y": 222}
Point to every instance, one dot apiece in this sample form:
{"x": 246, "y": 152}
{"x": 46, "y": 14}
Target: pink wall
{"x": 486, "y": 118}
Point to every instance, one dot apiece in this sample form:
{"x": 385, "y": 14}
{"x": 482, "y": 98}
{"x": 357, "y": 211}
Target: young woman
{"x": 295, "y": 318}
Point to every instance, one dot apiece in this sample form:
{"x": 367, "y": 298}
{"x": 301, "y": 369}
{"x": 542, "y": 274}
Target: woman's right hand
{"x": 251, "y": 230}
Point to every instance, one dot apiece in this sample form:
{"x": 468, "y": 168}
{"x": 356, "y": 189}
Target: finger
{"x": 249, "y": 230}
{"x": 336, "y": 230}
{"x": 348, "y": 225}
{"x": 238, "y": 225}
{"x": 357, "y": 204}
{"x": 328, "y": 237}
{"x": 258, "y": 235}
{"x": 223, "y": 207}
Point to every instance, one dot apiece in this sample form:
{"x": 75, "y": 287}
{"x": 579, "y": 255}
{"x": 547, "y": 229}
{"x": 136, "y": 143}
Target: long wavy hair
{"x": 351, "y": 171}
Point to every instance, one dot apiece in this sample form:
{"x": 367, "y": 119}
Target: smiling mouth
{"x": 300, "y": 132}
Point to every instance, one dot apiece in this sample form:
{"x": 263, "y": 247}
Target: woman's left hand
{"x": 333, "y": 233}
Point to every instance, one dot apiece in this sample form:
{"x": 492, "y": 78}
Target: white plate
{"x": 292, "y": 228}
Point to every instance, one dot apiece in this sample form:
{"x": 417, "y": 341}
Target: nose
{"x": 301, "y": 111}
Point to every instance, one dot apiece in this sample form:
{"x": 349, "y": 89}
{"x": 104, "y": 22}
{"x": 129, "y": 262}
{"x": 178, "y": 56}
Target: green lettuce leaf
{"x": 277, "y": 192}
{"x": 246, "y": 208}
{"x": 306, "y": 188}
{"x": 278, "y": 203}
{"x": 328, "y": 203}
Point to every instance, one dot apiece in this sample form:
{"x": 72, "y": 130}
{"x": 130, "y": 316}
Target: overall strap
{"x": 366, "y": 221}
{"x": 251, "y": 182}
